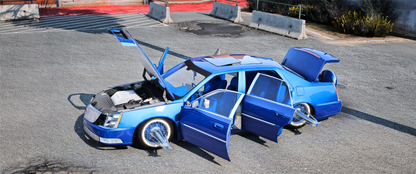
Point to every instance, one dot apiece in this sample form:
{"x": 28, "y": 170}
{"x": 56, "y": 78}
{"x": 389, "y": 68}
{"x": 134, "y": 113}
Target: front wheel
{"x": 144, "y": 132}
{"x": 297, "y": 121}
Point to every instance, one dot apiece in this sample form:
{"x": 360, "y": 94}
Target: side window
{"x": 271, "y": 88}
{"x": 223, "y": 81}
{"x": 251, "y": 74}
{"x": 220, "y": 102}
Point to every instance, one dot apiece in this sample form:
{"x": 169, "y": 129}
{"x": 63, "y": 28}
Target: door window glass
{"x": 271, "y": 88}
{"x": 221, "y": 102}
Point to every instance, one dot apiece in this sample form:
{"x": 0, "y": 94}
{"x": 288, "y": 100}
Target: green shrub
{"x": 378, "y": 7}
{"x": 272, "y": 7}
{"x": 364, "y": 18}
{"x": 363, "y": 25}
{"x": 294, "y": 11}
{"x": 324, "y": 11}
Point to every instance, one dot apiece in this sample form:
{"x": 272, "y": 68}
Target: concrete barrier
{"x": 160, "y": 12}
{"x": 21, "y": 11}
{"x": 226, "y": 11}
{"x": 283, "y": 25}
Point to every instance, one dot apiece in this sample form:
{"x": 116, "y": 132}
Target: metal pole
{"x": 257, "y": 4}
{"x": 236, "y": 3}
{"x": 166, "y": 3}
{"x": 300, "y": 10}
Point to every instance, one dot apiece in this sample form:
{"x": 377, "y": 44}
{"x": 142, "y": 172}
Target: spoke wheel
{"x": 146, "y": 140}
{"x": 297, "y": 121}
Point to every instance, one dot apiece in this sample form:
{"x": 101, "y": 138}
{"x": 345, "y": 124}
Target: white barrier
{"x": 226, "y": 11}
{"x": 283, "y": 25}
{"x": 21, "y": 11}
{"x": 160, "y": 12}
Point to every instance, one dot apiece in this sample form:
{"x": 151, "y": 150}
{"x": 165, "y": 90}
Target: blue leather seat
{"x": 233, "y": 84}
{"x": 217, "y": 82}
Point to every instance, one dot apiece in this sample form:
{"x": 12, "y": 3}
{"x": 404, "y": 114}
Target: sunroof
{"x": 229, "y": 60}
{"x": 249, "y": 60}
{"x": 222, "y": 61}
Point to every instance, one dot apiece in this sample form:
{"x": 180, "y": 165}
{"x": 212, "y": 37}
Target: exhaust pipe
{"x": 309, "y": 118}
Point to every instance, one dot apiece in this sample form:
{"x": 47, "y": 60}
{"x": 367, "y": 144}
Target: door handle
{"x": 218, "y": 126}
{"x": 281, "y": 115}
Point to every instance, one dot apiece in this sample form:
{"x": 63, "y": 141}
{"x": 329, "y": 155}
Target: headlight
{"x": 112, "y": 120}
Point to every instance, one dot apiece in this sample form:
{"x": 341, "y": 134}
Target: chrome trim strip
{"x": 214, "y": 113}
{"x": 204, "y": 133}
{"x": 252, "y": 83}
{"x": 258, "y": 119}
{"x": 265, "y": 99}
{"x": 234, "y": 110}
{"x": 92, "y": 135}
{"x": 328, "y": 103}
{"x": 272, "y": 77}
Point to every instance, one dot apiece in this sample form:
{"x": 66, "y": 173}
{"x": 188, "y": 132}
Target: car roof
{"x": 255, "y": 63}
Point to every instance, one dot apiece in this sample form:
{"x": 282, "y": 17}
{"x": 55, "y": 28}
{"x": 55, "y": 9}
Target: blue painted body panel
{"x": 133, "y": 118}
{"x": 125, "y": 134}
{"x": 307, "y": 62}
{"x": 206, "y": 136}
{"x": 317, "y": 94}
{"x": 259, "y": 116}
{"x": 263, "y": 110}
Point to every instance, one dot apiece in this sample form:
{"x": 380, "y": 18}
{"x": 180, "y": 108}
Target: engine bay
{"x": 127, "y": 97}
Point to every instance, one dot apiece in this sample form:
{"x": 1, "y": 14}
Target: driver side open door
{"x": 207, "y": 122}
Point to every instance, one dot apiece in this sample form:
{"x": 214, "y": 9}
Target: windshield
{"x": 183, "y": 78}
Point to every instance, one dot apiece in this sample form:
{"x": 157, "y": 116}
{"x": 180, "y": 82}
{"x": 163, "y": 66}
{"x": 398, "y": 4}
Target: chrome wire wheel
{"x": 297, "y": 120}
{"x": 145, "y": 137}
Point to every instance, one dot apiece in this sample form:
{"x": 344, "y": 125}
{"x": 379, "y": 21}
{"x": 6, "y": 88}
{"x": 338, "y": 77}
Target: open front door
{"x": 206, "y": 123}
{"x": 267, "y": 107}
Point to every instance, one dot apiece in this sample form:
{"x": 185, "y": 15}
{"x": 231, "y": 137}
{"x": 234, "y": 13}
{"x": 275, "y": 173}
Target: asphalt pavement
{"x": 46, "y": 79}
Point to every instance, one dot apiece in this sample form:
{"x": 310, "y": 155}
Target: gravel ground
{"x": 47, "y": 77}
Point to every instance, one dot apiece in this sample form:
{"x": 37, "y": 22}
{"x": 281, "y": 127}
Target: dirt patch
{"x": 212, "y": 28}
{"x": 43, "y": 165}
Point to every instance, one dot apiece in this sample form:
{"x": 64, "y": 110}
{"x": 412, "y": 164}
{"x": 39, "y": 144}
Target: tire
{"x": 144, "y": 136}
{"x": 297, "y": 121}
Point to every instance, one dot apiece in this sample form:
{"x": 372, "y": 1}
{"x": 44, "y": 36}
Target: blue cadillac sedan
{"x": 205, "y": 99}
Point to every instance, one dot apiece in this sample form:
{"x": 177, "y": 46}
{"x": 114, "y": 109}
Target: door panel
{"x": 200, "y": 128}
{"x": 267, "y": 107}
{"x": 265, "y": 118}
{"x": 207, "y": 124}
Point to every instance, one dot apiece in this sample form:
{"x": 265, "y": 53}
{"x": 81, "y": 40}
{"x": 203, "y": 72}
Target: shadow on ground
{"x": 91, "y": 23}
{"x": 79, "y": 123}
{"x": 380, "y": 121}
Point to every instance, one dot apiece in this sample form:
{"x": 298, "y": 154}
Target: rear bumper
{"x": 326, "y": 110}
{"x": 109, "y": 136}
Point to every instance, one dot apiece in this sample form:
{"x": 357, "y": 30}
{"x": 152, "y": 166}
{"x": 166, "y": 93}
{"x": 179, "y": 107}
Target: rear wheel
{"x": 297, "y": 121}
{"x": 146, "y": 140}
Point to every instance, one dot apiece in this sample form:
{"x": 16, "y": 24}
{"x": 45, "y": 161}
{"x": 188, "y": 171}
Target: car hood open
{"x": 149, "y": 67}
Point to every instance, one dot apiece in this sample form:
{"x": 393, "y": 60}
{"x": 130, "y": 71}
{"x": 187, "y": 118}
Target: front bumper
{"x": 109, "y": 136}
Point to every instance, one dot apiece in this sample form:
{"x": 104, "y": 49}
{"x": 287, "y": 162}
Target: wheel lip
{"x": 300, "y": 122}
{"x": 143, "y": 132}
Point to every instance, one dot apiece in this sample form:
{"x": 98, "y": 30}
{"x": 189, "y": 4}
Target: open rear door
{"x": 267, "y": 107}
{"x": 207, "y": 122}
